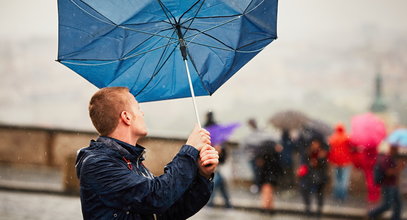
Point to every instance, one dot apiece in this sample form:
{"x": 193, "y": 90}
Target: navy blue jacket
{"x": 114, "y": 184}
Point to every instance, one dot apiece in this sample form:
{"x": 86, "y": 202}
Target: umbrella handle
{"x": 192, "y": 93}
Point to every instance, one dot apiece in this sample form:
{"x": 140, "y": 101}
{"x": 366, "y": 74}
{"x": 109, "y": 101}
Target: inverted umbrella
{"x": 398, "y": 138}
{"x": 148, "y": 45}
{"x": 289, "y": 119}
{"x": 367, "y": 130}
{"x": 221, "y": 133}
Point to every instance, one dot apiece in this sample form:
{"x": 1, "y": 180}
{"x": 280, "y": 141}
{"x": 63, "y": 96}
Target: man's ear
{"x": 126, "y": 117}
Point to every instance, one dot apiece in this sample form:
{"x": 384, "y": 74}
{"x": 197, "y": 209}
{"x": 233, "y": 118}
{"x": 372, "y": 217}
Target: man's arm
{"x": 201, "y": 189}
{"x": 192, "y": 201}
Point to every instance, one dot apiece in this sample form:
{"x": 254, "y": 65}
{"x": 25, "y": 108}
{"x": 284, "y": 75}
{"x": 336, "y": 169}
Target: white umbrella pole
{"x": 191, "y": 87}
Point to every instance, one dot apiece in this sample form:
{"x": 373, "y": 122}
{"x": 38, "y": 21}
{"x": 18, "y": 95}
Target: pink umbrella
{"x": 367, "y": 130}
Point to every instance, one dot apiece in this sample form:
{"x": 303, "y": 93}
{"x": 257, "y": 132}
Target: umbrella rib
{"x": 165, "y": 10}
{"x": 147, "y": 33}
{"x": 189, "y": 9}
{"x": 162, "y": 55}
{"x": 212, "y": 38}
{"x": 147, "y": 40}
{"x": 254, "y": 7}
{"x": 154, "y": 69}
{"x": 231, "y": 50}
{"x": 156, "y": 72}
{"x": 218, "y": 16}
{"x": 192, "y": 20}
{"x": 211, "y": 28}
{"x": 112, "y": 23}
{"x": 116, "y": 60}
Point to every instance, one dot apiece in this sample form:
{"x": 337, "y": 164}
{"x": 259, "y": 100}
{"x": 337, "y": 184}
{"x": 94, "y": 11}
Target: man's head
{"x": 252, "y": 123}
{"x": 113, "y": 108}
{"x": 394, "y": 150}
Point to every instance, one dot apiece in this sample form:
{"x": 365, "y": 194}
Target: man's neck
{"x": 124, "y": 137}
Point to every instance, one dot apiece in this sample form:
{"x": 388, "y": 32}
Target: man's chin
{"x": 144, "y": 134}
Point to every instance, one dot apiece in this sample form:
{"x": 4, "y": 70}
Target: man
{"x": 114, "y": 183}
{"x": 391, "y": 198}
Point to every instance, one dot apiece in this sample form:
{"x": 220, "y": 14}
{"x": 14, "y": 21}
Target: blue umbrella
{"x": 398, "y": 138}
{"x": 148, "y": 45}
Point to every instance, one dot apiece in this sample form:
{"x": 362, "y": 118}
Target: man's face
{"x": 138, "y": 125}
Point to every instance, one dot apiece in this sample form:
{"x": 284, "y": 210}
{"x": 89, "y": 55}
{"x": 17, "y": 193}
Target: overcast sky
{"x": 321, "y": 45}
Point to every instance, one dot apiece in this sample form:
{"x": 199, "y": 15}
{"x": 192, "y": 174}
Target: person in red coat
{"x": 340, "y": 159}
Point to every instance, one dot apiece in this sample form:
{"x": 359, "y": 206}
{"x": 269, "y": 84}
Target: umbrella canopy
{"x": 221, "y": 133}
{"x": 367, "y": 130}
{"x": 144, "y": 45}
{"x": 398, "y": 138}
{"x": 289, "y": 119}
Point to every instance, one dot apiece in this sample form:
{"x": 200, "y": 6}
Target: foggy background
{"x": 323, "y": 63}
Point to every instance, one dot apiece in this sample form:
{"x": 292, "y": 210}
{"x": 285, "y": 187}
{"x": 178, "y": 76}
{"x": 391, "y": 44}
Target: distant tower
{"x": 378, "y": 105}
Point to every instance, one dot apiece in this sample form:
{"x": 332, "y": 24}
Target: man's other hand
{"x": 199, "y": 138}
{"x": 208, "y": 161}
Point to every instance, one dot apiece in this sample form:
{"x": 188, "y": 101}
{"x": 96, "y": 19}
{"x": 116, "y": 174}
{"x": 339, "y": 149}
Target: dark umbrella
{"x": 163, "y": 49}
{"x": 320, "y": 127}
{"x": 289, "y": 119}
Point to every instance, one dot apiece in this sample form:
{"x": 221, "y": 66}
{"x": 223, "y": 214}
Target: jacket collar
{"x": 125, "y": 149}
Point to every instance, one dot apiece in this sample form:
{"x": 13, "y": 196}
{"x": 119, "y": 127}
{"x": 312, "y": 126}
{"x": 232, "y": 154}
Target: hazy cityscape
{"x": 326, "y": 63}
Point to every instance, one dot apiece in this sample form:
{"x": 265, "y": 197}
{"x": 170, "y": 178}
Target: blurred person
{"x": 288, "y": 147}
{"x": 268, "y": 161}
{"x": 250, "y": 145}
{"x": 312, "y": 172}
{"x": 391, "y": 167}
{"x": 220, "y": 183}
{"x": 340, "y": 159}
{"x": 114, "y": 183}
{"x": 364, "y": 158}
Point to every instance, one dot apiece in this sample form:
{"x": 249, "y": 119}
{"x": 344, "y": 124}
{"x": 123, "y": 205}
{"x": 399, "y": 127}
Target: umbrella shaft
{"x": 182, "y": 44}
{"x": 191, "y": 87}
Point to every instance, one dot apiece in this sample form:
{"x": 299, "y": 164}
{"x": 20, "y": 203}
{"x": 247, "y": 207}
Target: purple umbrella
{"x": 221, "y": 133}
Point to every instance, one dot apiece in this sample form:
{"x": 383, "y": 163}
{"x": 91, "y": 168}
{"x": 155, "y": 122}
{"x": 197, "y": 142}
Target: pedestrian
{"x": 220, "y": 183}
{"x": 364, "y": 158}
{"x": 250, "y": 145}
{"x": 115, "y": 184}
{"x": 312, "y": 173}
{"x": 288, "y": 177}
{"x": 268, "y": 161}
{"x": 391, "y": 167}
{"x": 340, "y": 159}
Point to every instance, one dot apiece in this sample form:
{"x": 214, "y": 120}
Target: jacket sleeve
{"x": 192, "y": 201}
{"x": 120, "y": 188}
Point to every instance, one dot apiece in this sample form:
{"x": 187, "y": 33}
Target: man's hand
{"x": 199, "y": 138}
{"x": 208, "y": 161}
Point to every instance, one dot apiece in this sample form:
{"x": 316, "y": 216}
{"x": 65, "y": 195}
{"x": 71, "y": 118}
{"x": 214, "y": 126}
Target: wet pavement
{"x": 37, "y": 206}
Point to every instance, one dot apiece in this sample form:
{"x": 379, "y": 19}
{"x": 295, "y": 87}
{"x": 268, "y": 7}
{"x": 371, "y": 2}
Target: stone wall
{"x": 52, "y": 147}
